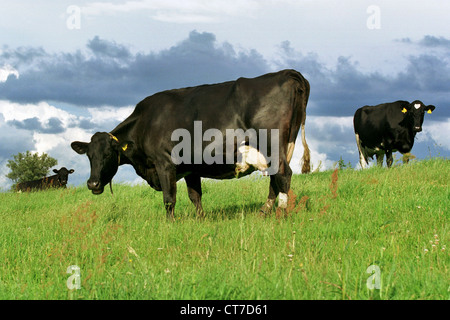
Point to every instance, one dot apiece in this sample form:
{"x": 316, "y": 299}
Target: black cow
{"x": 274, "y": 102}
{"x": 59, "y": 180}
{"x": 386, "y": 128}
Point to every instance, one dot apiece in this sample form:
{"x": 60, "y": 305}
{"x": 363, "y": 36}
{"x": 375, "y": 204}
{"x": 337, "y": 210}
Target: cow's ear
{"x": 430, "y": 108}
{"x": 55, "y": 171}
{"x": 79, "y": 147}
{"x": 71, "y": 171}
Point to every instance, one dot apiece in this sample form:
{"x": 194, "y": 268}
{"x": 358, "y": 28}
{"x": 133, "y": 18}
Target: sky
{"x": 69, "y": 69}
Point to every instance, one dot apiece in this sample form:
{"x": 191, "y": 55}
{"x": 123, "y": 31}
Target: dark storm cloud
{"x": 21, "y": 56}
{"x": 108, "y": 48}
{"x": 110, "y": 75}
{"x": 343, "y": 89}
{"x": 53, "y": 125}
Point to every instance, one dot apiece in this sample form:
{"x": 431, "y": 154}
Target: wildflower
{"x": 426, "y": 250}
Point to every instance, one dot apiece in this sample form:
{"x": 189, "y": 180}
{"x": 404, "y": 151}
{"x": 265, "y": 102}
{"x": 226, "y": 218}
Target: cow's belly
{"x": 215, "y": 171}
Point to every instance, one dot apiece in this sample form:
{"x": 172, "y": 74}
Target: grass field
{"x": 343, "y": 222}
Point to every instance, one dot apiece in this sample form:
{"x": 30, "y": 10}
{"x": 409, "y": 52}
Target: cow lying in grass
{"x": 59, "y": 180}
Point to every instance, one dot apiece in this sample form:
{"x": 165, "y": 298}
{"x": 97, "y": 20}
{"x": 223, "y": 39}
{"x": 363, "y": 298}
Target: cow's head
{"x": 63, "y": 175}
{"x": 414, "y": 114}
{"x": 103, "y": 154}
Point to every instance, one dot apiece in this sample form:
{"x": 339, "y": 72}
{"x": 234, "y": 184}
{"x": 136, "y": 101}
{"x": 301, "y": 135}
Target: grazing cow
{"x": 59, "y": 180}
{"x": 147, "y": 139}
{"x": 386, "y": 128}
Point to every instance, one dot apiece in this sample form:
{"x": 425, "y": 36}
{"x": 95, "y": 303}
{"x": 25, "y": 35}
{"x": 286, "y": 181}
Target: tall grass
{"x": 341, "y": 223}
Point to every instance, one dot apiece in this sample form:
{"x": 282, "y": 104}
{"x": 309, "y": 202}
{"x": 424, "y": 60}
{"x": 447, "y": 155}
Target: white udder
{"x": 251, "y": 157}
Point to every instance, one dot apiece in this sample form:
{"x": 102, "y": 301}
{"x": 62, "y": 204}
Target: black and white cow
{"x": 275, "y": 102}
{"x": 386, "y": 128}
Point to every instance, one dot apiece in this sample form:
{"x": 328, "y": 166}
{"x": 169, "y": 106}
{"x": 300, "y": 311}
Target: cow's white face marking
{"x": 282, "y": 200}
{"x": 251, "y": 157}
{"x": 417, "y": 105}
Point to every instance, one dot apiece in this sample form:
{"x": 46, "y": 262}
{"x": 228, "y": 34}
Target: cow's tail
{"x": 298, "y": 121}
{"x": 363, "y": 156}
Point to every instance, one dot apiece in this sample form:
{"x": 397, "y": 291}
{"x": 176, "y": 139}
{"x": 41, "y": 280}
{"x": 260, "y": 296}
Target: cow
{"x": 274, "y": 102}
{"x": 59, "y": 180}
{"x": 386, "y": 128}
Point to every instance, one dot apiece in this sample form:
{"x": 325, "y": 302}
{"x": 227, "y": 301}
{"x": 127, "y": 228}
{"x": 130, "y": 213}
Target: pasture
{"x": 342, "y": 223}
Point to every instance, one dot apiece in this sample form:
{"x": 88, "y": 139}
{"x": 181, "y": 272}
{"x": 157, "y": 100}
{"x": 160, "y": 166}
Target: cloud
{"x": 435, "y": 42}
{"x": 340, "y": 90}
{"x": 110, "y": 49}
{"x": 7, "y": 71}
{"x": 180, "y": 11}
{"x": 108, "y": 74}
{"x": 53, "y": 125}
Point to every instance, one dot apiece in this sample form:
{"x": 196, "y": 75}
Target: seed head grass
{"x": 339, "y": 223}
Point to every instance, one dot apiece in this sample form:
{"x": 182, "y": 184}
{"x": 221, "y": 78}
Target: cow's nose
{"x": 92, "y": 184}
{"x": 417, "y": 129}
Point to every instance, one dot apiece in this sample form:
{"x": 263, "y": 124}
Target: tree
{"x": 29, "y": 166}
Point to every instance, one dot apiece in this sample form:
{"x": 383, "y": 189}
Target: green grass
{"x": 396, "y": 219}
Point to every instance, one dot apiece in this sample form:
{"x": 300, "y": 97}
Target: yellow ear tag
{"x": 404, "y": 110}
{"x": 429, "y": 111}
{"x": 125, "y": 147}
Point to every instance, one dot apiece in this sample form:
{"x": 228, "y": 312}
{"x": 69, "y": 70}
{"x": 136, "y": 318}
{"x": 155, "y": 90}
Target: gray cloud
{"x": 108, "y": 48}
{"x": 53, "y": 125}
{"x": 112, "y": 76}
{"x": 434, "y": 42}
{"x": 109, "y": 74}
{"x": 343, "y": 89}
{"x": 14, "y": 140}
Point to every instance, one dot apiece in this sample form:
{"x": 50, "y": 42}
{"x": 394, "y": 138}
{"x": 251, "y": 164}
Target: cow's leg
{"x": 267, "y": 207}
{"x": 380, "y": 157}
{"x": 282, "y": 184}
{"x": 167, "y": 177}
{"x": 389, "y": 159}
{"x": 194, "y": 187}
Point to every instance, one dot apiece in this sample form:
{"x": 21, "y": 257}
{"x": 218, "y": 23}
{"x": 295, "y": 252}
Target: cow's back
{"x": 232, "y": 104}
{"x": 39, "y": 184}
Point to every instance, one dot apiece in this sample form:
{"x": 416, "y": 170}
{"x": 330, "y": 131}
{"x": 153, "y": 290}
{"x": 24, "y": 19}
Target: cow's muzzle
{"x": 417, "y": 129}
{"x": 94, "y": 186}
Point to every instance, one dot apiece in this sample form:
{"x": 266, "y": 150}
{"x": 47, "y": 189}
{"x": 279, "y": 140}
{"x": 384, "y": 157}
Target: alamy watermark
{"x": 374, "y": 281}
{"x": 374, "y": 20}
{"x": 74, "y": 281}
{"x": 252, "y": 148}
{"x": 73, "y": 21}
